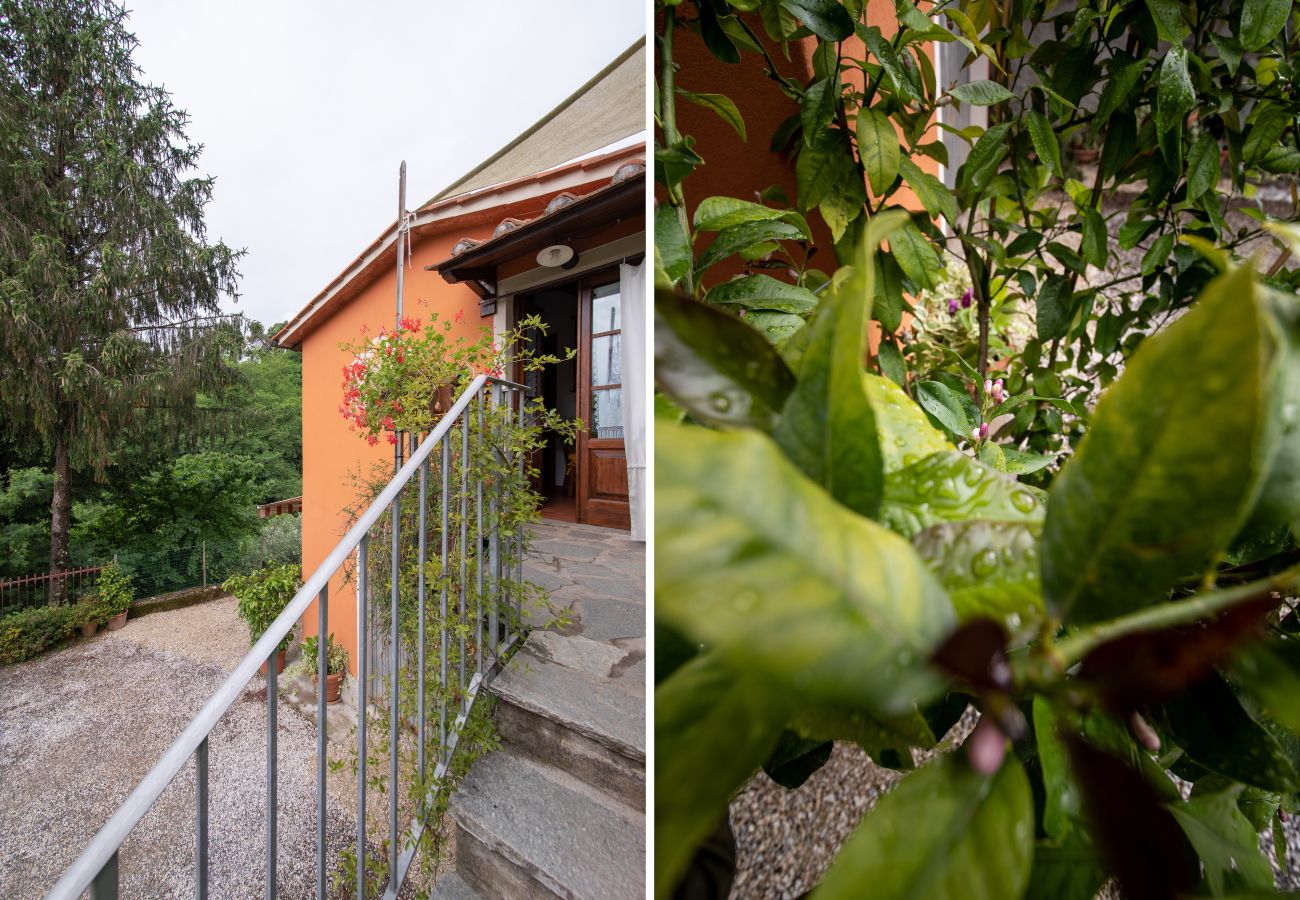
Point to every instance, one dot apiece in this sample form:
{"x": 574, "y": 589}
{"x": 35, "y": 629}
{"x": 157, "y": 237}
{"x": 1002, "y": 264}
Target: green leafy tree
{"x": 109, "y": 287}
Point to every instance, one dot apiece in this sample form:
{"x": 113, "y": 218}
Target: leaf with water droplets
{"x": 945, "y": 832}
{"x": 952, "y": 487}
{"x": 989, "y": 568}
{"x": 756, "y": 560}
{"x": 719, "y": 369}
{"x": 1167, "y": 471}
{"x": 906, "y": 435}
{"x": 1225, "y": 841}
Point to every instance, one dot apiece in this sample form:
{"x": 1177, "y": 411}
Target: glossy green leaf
{"x": 674, "y": 248}
{"x": 1175, "y": 95}
{"x": 1124, "y": 76}
{"x": 952, "y": 487}
{"x": 889, "y": 60}
{"x": 1069, "y": 870}
{"x": 827, "y": 19}
{"x": 1062, "y": 806}
{"x": 1054, "y": 308}
{"x": 878, "y": 149}
{"x": 736, "y": 238}
{"x": 827, "y": 426}
{"x": 1043, "y": 137}
{"x": 1225, "y": 842}
{"x": 717, "y": 213}
{"x": 890, "y": 359}
{"x": 1202, "y": 166}
{"x": 1269, "y": 673}
{"x": 906, "y": 435}
{"x": 915, "y": 256}
{"x": 982, "y": 93}
{"x": 887, "y": 307}
{"x": 946, "y": 406}
{"x": 1094, "y": 242}
{"x": 763, "y": 292}
{"x": 818, "y": 107}
{"x": 1217, "y": 733}
{"x": 935, "y": 196}
{"x": 945, "y": 832}
{"x": 990, "y": 570}
{"x": 712, "y": 732}
{"x": 1168, "y": 16}
{"x": 1150, "y": 495}
{"x": 720, "y": 104}
{"x": 823, "y": 166}
{"x": 716, "y": 367}
{"x": 835, "y": 610}
{"x": 1261, "y": 21}
{"x": 777, "y": 327}
{"x": 985, "y": 156}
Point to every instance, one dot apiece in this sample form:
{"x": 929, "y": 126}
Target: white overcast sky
{"x": 306, "y": 110}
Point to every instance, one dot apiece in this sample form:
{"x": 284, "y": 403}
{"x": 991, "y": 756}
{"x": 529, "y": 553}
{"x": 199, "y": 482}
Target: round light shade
{"x": 555, "y": 256}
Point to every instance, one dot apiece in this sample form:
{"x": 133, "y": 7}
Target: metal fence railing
{"x": 35, "y": 590}
{"x": 451, "y": 615}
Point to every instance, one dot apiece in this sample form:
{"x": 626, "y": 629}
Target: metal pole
{"x": 478, "y": 542}
{"x": 205, "y": 563}
{"x": 442, "y": 628}
{"x": 464, "y": 540}
{"x": 394, "y": 722}
{"x": 419, "y": 672}
{"x": 322, "y": 672}
{"x": 272, "y": 697}
{"x": 363, "y": 686}
{"x": 401, "y": 281}
{"x": 201, "y": 822}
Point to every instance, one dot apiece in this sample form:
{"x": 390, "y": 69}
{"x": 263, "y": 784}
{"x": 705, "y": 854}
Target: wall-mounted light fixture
{"x": 557, "y": 256}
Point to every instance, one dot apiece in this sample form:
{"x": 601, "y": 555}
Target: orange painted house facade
{"x": 474, "y": 261}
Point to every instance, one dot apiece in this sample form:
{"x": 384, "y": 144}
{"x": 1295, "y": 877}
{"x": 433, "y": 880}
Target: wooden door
{"x": 602, "y": 462}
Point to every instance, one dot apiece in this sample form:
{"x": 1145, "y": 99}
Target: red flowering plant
{"x": 395, "y": 378}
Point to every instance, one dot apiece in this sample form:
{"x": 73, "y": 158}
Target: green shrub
{"x": 114, "y": 591}
{"x": 30, "y": 632}
{"x": 262, "y": 596}
{"x": 336, "y": 655}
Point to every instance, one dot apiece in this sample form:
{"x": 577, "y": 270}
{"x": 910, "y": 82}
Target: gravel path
{"x": 80, "y": 727}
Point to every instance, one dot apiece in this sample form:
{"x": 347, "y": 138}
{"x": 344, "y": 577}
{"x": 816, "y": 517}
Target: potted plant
{"x": 87, "y": 614}
{"x": 336, "y": 662}
{"x": 115, "y": 596}
{"x": 262, "y": 596}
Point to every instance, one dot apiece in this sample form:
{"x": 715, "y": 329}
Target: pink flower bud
{"x": 984, "y": 430}
{"x": 986, "y": 747}
{"x": 965, "y": 299}
{"x": 974, "y": 434}
{"x": 952, "y": 306}
{"x": 988, "y": 386}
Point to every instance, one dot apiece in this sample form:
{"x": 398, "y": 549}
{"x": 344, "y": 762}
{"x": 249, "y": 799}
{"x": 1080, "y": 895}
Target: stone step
{"x": 528, "y": 830}
{"x": 578, "y": 705}
{"x": 451, "y": 886}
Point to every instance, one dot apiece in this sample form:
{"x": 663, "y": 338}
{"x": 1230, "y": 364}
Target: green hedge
{"x": 30, "y": 632}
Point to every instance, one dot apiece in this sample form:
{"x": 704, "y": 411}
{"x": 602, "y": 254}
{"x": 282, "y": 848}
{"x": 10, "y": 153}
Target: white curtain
{"x": 636, "y": 385}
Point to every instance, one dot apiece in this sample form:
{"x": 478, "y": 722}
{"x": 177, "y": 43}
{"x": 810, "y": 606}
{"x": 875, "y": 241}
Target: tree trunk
{"x": 60, "y": 520}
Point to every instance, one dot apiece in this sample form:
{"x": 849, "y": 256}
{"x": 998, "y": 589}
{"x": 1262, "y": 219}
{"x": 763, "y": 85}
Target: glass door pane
{"x": 605, "y": 418}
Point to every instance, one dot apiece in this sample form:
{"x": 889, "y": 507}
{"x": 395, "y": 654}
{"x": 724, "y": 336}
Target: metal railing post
{"x": 201, "y": 821}
{"x": 322, "y": 673}
{"x": 394, "y": 722}
{"x": 478, "y": 544}
{"x": 523, "y": 474}
{"x": 494, "y": 554}
{"x": 104, "y": 887}
{"x": 464, "y": 540}
{"x": 420, "y": 654}
{"x": 363, "y": 688}
{"x": 442, "y": 601}
{"x": 272, "y": 735}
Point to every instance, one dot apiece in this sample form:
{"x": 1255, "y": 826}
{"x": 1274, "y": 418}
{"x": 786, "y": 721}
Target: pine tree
{"x": 109, "y": 289}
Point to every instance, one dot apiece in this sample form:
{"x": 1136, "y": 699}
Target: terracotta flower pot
{"x": 279, "y": 664}
{"x": 88, "y": 629}
{"x": 1086, "y": 154}
{"x": 333, "y": 686}
{"x": 117, "y": 621}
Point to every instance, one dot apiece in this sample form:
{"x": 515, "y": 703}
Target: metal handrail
{"x": 96, "y": 867}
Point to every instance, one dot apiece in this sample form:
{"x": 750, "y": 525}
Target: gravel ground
{"x": 786, "y": 840}
{"x": 80, "y": 727}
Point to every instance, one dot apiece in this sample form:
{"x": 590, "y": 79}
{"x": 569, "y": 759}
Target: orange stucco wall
{"x": 736, "y": 168}
{"x": 332, "y": 453}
